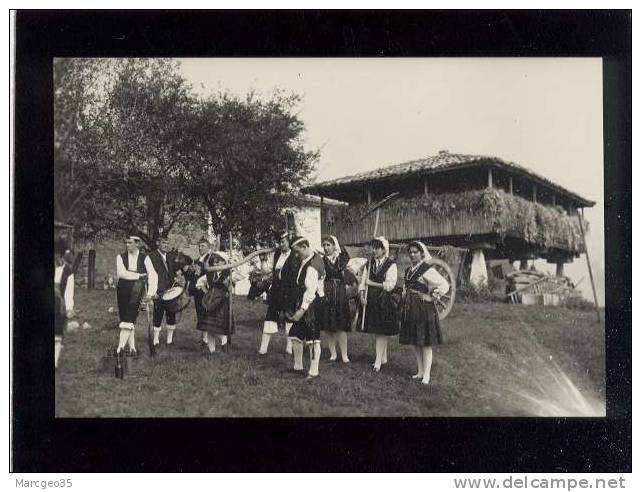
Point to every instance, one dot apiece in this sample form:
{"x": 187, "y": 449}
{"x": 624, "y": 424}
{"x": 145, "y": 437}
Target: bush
{"x": 578, "y": 303}
{"x": 493, "y": 291}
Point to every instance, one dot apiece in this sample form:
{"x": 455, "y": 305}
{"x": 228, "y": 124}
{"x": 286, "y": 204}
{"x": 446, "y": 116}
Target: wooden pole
{"x": 369, "y": 265}
{"x": 489, "y": 177}
{"x": 511, "y": 186}
{"x": 231, "y": 295}
{"x": 425, "y": 187}
{"x": 587, "y": 257}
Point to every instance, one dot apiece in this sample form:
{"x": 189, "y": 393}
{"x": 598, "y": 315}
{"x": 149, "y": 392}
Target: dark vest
{"x": 165, "y": 274}
{"x": 336, "y": 271}
{"x": 378, "y": 276}
{"x": 287, "y": 273}
{"x": 300, "y": 284}
{"x": 412, "y": 278}
{"x": 140, "y": 267}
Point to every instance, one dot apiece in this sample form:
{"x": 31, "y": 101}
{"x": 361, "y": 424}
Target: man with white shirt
{"x": 133, "y": 268}
{"x": 281, "y": 298}
{"x": 309, "y": 289}
{"x": 63, "y": 282}
{"x": 167, "y": 276}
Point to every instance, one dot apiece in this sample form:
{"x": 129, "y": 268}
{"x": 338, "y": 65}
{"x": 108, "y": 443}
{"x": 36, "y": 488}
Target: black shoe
{"x": 134, "y": 353}
{"x": 225, "y": 348}
{"x": 170, "y": 345}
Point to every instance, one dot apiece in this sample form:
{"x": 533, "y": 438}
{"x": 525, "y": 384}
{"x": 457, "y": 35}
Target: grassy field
{"x": 500, "y": 360}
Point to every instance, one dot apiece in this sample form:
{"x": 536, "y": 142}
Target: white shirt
{"x": 312, "y": 283}
{"x": 391, "y": 277}
{"x": 122, "y": 272}
{"x": 433, "y": 280}
{"x": 69, "y": 289}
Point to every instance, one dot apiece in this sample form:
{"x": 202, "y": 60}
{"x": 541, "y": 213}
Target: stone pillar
{"x": 523, "y": 264}
{"x": 478, "y": 269}
{"x": 559, "y": 269}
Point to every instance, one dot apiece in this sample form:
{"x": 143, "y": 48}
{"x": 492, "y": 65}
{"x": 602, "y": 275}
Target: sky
{"x": 365, "y": 113}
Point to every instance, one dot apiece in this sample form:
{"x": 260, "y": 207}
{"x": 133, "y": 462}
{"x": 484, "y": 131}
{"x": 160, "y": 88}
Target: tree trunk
{"x": 154, "y": 209}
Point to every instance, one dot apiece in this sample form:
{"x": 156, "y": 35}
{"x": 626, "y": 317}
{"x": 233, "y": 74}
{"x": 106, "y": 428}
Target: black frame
{"x": 42, "y": 443}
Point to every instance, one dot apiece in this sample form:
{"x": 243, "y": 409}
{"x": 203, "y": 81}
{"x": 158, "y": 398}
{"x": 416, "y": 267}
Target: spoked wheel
{"x": 446, "y": 302}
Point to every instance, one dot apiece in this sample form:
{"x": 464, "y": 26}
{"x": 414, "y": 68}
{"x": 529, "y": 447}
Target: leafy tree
{"x": 79, "y": 97}
{"x": 246, "y": 162}
{"x": 124, "y": 121}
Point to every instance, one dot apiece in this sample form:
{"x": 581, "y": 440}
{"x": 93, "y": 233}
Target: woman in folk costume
{"x": 196, "y": 271}
{"x": 420, "y": 325}
{"x": 379, "y": 308}
{"x": 309, "y": 289}
{"x": 281, "y": 297}
{"x": 63, "y": 289}
{"x": 217, "y": 287}
{"x": 335, "y": 319}
{"x": 133, "y": 268}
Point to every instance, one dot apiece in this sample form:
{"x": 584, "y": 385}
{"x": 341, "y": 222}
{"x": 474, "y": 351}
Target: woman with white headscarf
{"x": 420, "y": 325}
{"x": 333, "y": 312}
{"x": 217, "y": 286}
{"x": 379, "y": 308}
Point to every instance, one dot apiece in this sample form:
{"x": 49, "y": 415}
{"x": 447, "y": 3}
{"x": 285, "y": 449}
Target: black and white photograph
{"x": 328, "y": 238}
{"x": 298, "y": 239}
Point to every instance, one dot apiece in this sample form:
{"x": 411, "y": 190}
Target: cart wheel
{"x": 445, "y": 303}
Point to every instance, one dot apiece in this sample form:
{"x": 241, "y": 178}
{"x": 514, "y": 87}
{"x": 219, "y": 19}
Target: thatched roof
{"x": 444, "y": 161}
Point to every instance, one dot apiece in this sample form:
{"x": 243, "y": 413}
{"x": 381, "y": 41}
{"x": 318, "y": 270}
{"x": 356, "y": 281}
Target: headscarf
{"x": 421, "y": 246}
{"x": 426, "y": 254}
{"x": 337, "y": 246}
{"x": 385, "y": 243}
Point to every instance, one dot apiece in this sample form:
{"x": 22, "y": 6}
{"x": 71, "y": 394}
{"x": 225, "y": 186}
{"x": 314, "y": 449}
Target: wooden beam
{"x": 511, "y": 186}
{"x": 587, "y": 257}
{"x": 368, "y": 191}
{"x": 425, "y": 188}
{"x": 489, "y": 177}
{"x": 534, "y": 193}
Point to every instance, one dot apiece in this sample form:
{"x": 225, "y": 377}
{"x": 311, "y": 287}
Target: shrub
{"x": 578, "y": 303}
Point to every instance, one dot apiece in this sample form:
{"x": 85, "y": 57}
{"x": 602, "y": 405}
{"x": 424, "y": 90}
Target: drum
{"x": 175, "y": 299}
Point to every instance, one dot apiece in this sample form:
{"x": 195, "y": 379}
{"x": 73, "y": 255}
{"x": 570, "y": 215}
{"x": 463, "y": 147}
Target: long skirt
{"x": 215, "y": 319}
{"x": 307, "y": 329}
{"x": 129, "y": 294}
{"x": 381, "y": 316}
{"x": 333, "y": 311}
{"x": 420, "y": 324}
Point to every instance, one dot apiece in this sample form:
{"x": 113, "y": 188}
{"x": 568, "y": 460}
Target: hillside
{"x": 500, "y": 360}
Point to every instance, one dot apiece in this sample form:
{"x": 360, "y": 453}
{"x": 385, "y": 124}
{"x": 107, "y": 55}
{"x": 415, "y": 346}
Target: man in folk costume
{"x": 133, "y": 268}
{"x": 281, "y": 296}
{"x": 63, "y": 281}
{"x": 309, "y": 289}
{"x": 166, "y": 277}
{"x": 378, "y": 306}
{"x": 420, "y": 325}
